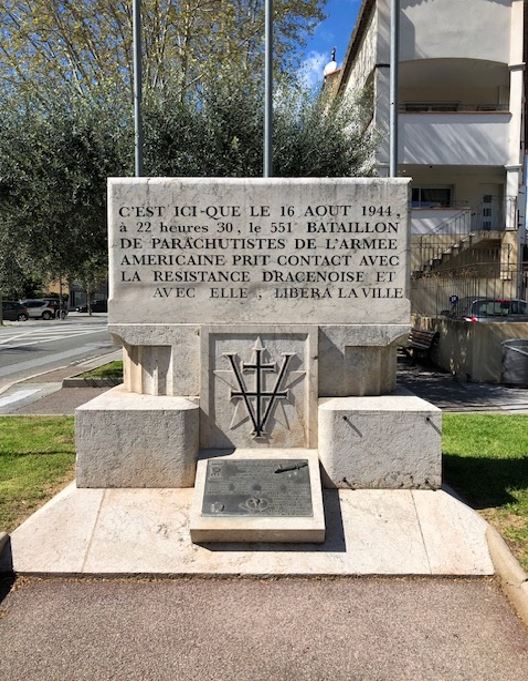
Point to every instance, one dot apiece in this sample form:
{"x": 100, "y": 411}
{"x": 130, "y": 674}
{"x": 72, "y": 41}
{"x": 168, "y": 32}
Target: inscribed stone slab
{"x": 258, "y": 250}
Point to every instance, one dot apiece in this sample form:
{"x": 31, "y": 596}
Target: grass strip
{"x": 486, "y": 460}
{"x": 37, "y": 457}
{"x": 110, "y": 370}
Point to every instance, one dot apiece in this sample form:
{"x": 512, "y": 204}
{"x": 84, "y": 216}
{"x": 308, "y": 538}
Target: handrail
{"x": 451, "y": 218}
{"x": 493, "y": 214}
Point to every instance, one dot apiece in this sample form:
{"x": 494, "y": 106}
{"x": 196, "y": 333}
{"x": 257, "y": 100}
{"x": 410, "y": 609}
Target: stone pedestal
{"x": 129, "y": 440}
{"x": 390, "y": 441}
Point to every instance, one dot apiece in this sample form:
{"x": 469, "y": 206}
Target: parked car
{"x": 44, "y": 308}
{"x": 14, "y": 311}
{"x": 480, "y": 309}
{"x": 96, "y": 305}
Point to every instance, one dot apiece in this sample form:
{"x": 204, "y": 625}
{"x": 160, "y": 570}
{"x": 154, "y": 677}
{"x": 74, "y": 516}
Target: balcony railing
{"x": 450, "y": 107}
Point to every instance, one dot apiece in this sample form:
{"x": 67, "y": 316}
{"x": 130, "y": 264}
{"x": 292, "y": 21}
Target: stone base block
{"x": 128, "y": 440}
{"x": 391, "y": 441}
{"x": 259, "y": 528}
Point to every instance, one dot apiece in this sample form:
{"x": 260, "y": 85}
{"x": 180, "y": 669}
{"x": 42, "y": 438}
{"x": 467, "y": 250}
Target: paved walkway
{"x": 445, "y": 392}
{"x": 64, "y": 401}
{"x": 261, "y": 630}
{"x": 43, "y": 393}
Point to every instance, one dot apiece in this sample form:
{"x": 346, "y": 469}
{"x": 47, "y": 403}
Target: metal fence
{"x": 432, "y": 292}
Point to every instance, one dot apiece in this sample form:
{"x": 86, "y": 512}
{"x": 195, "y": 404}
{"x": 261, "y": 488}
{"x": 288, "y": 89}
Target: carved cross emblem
{"x": 259, "y": 400}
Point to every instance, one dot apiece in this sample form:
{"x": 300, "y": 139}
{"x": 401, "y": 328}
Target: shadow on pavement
{"x": 484, "y": 482}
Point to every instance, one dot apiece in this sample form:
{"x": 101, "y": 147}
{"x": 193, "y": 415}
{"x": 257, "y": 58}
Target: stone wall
{"x": 471, "y": 351}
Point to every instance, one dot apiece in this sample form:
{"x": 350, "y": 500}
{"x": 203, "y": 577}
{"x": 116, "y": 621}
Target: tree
{"x": 84, "y": 47}
{"x": 56, "y": 163}
{"x": 222, "y": 135}
{"x": 53, "y": 205}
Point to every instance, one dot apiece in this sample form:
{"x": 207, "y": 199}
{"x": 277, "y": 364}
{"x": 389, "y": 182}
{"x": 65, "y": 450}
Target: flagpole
{"x": 138, "y": 123}
{"x": 393, "y": 87}
{"x": 268, "y": 89}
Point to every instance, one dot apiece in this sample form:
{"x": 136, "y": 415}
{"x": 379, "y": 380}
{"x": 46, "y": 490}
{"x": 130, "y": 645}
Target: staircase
{"x": 461, "y": 232}
{"x": 446, "y": 256}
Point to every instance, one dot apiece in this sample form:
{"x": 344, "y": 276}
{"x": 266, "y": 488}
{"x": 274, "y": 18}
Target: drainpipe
{"x": 138, "y": 88}
{"x": 393, "y": 91}
{"x": 524, "y": 224}
{"x": 268, "y": 89}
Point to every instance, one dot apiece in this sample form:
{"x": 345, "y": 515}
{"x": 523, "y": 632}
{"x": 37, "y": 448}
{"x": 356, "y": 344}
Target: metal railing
{"x": 431, "y": 293}
{"x": 451, "y": 107}
{"x": 453, "y": 234}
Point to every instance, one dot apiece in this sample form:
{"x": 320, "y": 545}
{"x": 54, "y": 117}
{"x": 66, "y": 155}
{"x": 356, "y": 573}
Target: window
{"x": 432, "y": 197}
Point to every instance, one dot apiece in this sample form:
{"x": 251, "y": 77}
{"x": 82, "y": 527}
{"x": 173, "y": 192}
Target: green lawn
{"x": 486, "y": 460}
{"x": 110, "y": 370}
{"x": 37, "y": 456}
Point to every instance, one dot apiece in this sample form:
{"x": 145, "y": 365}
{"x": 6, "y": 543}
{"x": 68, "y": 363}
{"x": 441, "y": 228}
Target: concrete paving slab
{"x": 369, "y": 629}
{"x": 455, "y": 539}
{"x": 146, "y": 532}
{"x": 58, "y": 535}
{"x": 383, "y": 532}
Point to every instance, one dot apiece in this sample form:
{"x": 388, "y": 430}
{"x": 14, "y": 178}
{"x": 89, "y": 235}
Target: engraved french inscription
{"x": 274, "y": 251}
{"x": 257, "y": 487}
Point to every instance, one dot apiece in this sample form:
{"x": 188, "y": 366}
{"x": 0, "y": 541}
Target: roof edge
{"x": 363, "y": 17}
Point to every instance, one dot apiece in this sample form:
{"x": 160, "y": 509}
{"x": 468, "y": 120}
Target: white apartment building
{"x": 461, "y": 129}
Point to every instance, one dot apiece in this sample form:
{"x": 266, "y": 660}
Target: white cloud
{"x": 311, "y": 69}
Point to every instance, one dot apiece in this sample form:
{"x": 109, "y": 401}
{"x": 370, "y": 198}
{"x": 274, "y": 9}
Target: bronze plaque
{"x": 257, "y": 487}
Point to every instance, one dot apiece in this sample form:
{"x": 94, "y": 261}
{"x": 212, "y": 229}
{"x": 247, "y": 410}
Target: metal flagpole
{"x": 268, "y": 89}
{"x": 393, "y": 92}
{"x": 138, "y": 124}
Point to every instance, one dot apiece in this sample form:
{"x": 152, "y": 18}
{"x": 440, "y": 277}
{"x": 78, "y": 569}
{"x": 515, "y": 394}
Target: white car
{"x": 43, "y": 308}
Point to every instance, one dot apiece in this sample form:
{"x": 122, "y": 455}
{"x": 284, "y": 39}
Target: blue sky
{"x": 334, "y": 31}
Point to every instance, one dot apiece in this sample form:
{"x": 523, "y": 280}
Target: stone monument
{"x": 259, "y": 320}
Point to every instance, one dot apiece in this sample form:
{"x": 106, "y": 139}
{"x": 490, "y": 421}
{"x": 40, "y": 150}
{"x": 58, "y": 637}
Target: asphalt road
{"x": 36, "y": 346}
{"x": 261, "y": 630}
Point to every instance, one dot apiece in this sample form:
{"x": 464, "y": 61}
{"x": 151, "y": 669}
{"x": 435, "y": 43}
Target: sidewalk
{"x": 369, "y": 629}
{"x": 445, "y": 392}
{"x": 43, "y": 393}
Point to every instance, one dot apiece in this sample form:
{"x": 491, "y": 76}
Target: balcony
{"x": 476, "y": 138}
{"x": 492, "y": 215}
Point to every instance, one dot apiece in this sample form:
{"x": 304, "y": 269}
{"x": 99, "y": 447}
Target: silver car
{"x": 43, "y": 308}
{"x": 480, "y": 309}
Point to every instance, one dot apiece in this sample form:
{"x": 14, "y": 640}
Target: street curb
{"x": 513, "y": 579}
